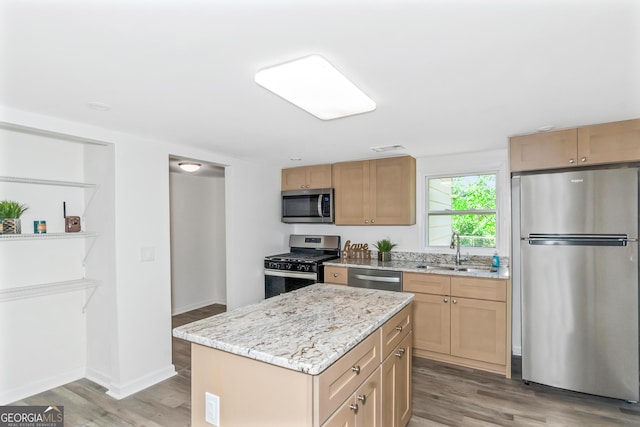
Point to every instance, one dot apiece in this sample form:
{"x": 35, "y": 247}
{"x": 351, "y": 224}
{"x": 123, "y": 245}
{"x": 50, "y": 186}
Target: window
{"x": 466, "y": 204}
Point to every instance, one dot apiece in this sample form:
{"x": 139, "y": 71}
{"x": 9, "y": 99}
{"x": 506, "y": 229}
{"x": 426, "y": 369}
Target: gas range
{"x": 300, "y": 267}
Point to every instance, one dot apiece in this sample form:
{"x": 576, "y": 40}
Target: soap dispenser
{"x": 496, "y": 260}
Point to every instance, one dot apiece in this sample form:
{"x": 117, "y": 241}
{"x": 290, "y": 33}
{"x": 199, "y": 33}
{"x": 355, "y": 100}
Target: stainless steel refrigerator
{"x": 577, "y": 263}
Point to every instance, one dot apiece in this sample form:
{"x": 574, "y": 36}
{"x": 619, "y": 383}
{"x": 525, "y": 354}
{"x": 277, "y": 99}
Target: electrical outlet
{"x": 212, "y": 409}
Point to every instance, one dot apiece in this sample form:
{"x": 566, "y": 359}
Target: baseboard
{"x": 98, "y": 377}
{"x": 194, "y": 306}
{"x": 24, "y": 391}
{"x": 516, "y": 350}
{"x": 120, "y": 391}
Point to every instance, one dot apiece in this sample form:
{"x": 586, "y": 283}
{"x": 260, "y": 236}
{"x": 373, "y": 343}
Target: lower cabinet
{"x": 461, "y": 320}
{"x": 363, "y": 408}
{"x": 396, "y": 385}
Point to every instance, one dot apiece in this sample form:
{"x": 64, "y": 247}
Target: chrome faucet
{"x": 455, "y": 244}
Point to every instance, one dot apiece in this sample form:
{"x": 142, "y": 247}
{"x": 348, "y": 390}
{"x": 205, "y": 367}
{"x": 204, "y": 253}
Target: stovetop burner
{"x": 301, "y": 257}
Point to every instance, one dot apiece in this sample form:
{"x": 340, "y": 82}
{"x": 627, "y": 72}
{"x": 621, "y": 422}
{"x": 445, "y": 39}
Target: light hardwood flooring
{"x": 443, "y": 395}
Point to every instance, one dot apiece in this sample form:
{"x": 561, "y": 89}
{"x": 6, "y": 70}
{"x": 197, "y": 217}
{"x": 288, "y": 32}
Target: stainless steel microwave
{"x": 308, "y": 206}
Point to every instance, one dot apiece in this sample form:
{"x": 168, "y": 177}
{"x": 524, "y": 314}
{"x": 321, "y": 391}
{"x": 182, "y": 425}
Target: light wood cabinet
{"x": 306, "y": 177}
{"x": 363, "y": 409}
{"x": 396, "y": 385}
{"x": 335, "y": 274}
{"x": 278, "y": 396}
{"x": 584, "y": 146}
{"x": 462, "y": 320}
{"x": 375, "y": 192}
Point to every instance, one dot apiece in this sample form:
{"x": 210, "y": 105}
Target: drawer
{"x": 395, "y": 329}
{"x": 336, "y": 384}
{"x": 479, "y": 288}
{"x": 336, "y": 275}
{"x": 426, "y": 283}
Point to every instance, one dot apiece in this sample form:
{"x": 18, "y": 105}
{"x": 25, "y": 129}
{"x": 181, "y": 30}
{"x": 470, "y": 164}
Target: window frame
{"x": 426, "y": 211}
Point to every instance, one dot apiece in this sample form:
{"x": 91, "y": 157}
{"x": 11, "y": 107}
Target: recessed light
{"x": 314, "y": 85}
{"x": 387, "y": 148}
{"x": 99, "y": 106}
{"x": 189, "y": 166}
{"x": 296, "y": 159}
{"x": 546, "y": 128}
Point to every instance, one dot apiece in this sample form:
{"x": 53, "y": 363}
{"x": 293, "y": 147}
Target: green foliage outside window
{"x": 475, "y": 193}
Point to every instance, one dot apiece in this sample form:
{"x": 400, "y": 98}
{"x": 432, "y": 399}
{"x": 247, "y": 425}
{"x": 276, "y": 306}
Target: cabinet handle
{"x": 572, "y": 161}
{"x": 335, "y": 274}
{"x": 399, "y": 328}
{"x": 455, "y": 301}
{"x": 400, "y": 352}
{"x": 446, "y": 300}
{"x": 356, "y": 369}
{"x": 584, "y": 159}
{"x": 362, "y": 398}
{"x": 354, "y": 407}
{"x": 372, "y": 221}
{"x": 366, "y": 221}
{"x": 302, "y": 186}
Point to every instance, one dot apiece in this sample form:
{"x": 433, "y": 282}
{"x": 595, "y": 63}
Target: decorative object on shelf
{"x": 356, "y": 251}
{"x": 384, "y": 247}
{"x": 71, "y": 223}
{"x": 10, "y": 213}
{"x": 39, "y": 227}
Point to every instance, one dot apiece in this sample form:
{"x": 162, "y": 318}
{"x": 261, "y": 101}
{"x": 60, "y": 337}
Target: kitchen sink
{"x": 474, "y": 269}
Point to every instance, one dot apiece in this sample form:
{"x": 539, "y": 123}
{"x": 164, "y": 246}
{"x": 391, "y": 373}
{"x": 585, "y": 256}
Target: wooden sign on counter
{"x": 356, "y": 251}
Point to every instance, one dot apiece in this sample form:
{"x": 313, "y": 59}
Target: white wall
{"x": 198, "y": 242}
{"x": 137, "y": 316}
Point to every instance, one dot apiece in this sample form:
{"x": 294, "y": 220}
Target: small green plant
{"x": 11, "y": 210}
{"x": 384, "y": 245}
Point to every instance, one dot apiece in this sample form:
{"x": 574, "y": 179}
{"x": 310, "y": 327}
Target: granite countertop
{"x": 412, "y": 266}
{"x": 305, "y": 330}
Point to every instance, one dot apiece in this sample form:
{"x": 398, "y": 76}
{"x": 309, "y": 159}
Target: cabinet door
{"x": 368, "y": 399}
{"x": 609, "y": 142}
{"x": 294, "y": 179}
{"x": 432, "y": 323}
{"x": 393, "y": 191}
{"x": 479, "y": 330}
{"x": 344, "y": 417}
{"x": 546, "y": 150}
{"x": 396, "y": 386}
{"x": 335, "y": 275}
{"x": 319, "y": 176}
{"x": 351, "y": 190}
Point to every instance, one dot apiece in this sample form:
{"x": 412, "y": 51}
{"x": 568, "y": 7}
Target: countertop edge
{"x": 399, "y": 266}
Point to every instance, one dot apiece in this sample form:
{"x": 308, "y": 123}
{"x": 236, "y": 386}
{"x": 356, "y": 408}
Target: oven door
{"x": 277, "y": 282}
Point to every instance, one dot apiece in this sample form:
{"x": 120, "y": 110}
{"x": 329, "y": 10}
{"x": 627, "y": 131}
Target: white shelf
{"x": 21, "y": 180}
{"x": 47, "y": 236}
{"x": 32, "y": 291}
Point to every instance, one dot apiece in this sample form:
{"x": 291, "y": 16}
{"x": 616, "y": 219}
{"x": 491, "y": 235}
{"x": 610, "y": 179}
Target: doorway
{"x": 198, "y": 251}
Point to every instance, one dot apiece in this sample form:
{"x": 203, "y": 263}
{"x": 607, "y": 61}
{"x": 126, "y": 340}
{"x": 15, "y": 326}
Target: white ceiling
{"x": 448, "y": 76}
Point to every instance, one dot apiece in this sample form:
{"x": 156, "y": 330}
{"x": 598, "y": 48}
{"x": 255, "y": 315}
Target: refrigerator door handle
{"x": 579, "y": 239}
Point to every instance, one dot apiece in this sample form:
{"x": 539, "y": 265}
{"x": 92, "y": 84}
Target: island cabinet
{"x": 369, "y": 384}
{"x": 306, "y": 177}
{"x": 336, "y": 274}
{"x": 462, "y": 320}
{"x": 613, "y": 142}
{"x": 375, "y": 192}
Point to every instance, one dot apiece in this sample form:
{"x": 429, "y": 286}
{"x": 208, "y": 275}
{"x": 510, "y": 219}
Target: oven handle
{"x": 286, "y": 273}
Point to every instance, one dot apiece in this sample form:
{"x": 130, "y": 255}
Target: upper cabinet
{"x": 375, "y": 192}
{"x": 306, "y": 177}
{"x": 588, "y": 145}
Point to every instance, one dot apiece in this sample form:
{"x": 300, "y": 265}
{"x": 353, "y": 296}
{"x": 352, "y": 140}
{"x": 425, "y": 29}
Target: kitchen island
{"x": 312, "y": 357}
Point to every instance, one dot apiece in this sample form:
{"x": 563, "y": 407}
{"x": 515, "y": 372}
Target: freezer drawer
{"x": 580, "y": 317}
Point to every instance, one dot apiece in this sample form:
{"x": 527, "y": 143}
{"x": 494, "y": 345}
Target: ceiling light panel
{"x": 314, "y": 85}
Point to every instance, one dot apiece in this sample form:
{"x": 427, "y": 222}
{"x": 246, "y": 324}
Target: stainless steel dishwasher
{"x": 385, "y": 280}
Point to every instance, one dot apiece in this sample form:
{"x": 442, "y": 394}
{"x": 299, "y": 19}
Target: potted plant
{"x": 384, "y": 247}
{"x": 10, "y": 213}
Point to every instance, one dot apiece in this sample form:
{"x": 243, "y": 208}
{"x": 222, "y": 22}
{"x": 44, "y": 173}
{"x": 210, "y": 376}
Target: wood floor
{"x": 443, "y": 395}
